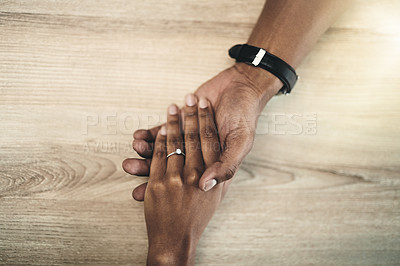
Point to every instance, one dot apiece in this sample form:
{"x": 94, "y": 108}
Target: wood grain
{"x": 321, "y": 185}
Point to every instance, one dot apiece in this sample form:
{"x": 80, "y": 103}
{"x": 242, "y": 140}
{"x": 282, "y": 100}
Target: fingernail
{"x": 163, "y": 131}
{"x": 210, "y": 184}
{"x": 203, "y": 103}
{"x": 173, "y": 109}
{"x": 190, "y": 99}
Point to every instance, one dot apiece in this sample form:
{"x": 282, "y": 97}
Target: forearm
{"x": 289, "y": 29}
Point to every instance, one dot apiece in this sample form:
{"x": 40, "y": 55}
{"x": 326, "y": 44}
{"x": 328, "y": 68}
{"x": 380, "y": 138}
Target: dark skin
{"x": 182, "y": 195}
{"x": 176, "y": 210}
{"x": 286, "y": 28}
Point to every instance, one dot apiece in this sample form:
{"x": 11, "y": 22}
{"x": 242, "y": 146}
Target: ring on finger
{"x": 177, "y": 151}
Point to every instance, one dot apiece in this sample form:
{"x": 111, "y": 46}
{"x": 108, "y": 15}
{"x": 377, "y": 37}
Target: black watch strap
{"x": 258, "y": 57}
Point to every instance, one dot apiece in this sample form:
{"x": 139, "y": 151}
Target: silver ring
{"x": 178, "y": 151}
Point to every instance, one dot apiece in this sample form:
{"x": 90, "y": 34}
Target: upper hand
{"x": 237, "y": 103}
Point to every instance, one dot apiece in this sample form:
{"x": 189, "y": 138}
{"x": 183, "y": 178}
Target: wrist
{"x": 171, "y": 254}
{"x": 265, "y": 84}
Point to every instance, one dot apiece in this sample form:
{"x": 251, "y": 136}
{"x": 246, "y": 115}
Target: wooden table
{"x": 321, "y": 186}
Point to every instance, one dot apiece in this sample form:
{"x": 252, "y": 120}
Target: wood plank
{"x": 321, "y": 185}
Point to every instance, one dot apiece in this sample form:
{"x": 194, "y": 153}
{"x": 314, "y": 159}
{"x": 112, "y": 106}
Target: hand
{"x": 176, "y": 210}
{"x": 238, "y": 95}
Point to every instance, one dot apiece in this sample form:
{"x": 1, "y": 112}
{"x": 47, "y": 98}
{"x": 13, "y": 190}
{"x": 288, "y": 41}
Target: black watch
{"x": 258, "y": 57}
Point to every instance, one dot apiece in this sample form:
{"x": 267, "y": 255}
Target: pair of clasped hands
{"x": 183, "y": 191}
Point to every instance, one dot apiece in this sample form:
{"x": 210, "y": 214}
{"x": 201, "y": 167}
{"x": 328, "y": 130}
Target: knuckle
{"x": 190, "y": 113}
{"x": 160, "y": 153}
{"x": 174, "y": 180}
{"x": 196, "y": 172}
{"x": 193, "y": 175}
{"x": 175, "y": 141}
{"x": 204, "y": 114}
{"x": 208, "y": 132}
{"x": 191, "y": 136}
{"x": 230, "y": 171}
{"x": 156, "y": 187}
{"x": 173, "y": 122}
{"x": 191, "y": 179}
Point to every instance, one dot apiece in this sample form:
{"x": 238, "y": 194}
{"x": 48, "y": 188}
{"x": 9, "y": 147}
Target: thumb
{"x": 236, "y": 148}
{"x": 139, "y": 191}
{"x": 218, "y": 172}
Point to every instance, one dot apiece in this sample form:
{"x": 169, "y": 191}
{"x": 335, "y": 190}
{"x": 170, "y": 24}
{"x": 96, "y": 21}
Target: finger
{"x": 139, "y": 191}
{"x": 136, "y": 166}
{"x": 210, "y": 146}
{"x": 143, "y": 148}
{"x": 148, "y": 135}
{"x": 236, "y": 148}
{"x": 144, "y": 140}
{"x": 174, "y": 141}
{"x": 158, "y": 162}
{"x": 194, "y": 159}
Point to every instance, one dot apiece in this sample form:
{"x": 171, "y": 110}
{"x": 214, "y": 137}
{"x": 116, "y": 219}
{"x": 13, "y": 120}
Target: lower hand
{"x": 176, "y": 210}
